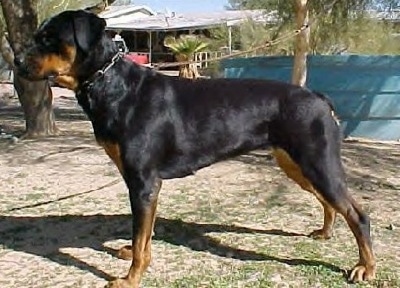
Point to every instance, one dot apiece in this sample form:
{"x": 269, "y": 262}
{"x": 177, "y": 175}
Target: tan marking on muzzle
{"x": 56, "y": 64}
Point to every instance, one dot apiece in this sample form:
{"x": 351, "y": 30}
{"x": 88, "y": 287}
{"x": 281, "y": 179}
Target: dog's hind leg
{"x": 294, "y": 172}
{"x": 323, "y": 175}
{"x": 326, "y": 231}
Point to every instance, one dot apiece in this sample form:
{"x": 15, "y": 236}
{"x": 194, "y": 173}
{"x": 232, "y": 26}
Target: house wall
{"x": 364, "y": 89}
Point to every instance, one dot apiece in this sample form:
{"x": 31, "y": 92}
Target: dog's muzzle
{"x": 27, "y": 70}
{"x": 21, "y": 67}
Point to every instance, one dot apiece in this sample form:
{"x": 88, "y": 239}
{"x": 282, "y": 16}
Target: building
{"x": 144, "y": 30}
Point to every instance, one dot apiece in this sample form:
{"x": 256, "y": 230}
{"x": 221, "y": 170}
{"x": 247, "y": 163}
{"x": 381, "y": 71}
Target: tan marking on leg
{"x": 125, "y": 252}
{"x": 352, "y": 212}
{"x": 293, "y": 171}
{"x": 113, "y": 151}
{"x": 141, "y": 246}
{"x": 366, "y": 266}
{"x": 329, "y": 220}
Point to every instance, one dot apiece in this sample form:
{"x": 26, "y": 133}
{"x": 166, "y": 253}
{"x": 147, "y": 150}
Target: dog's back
{"x": 210, "y": 120}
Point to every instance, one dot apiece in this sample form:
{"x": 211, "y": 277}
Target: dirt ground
{"x": 239, "y": 223}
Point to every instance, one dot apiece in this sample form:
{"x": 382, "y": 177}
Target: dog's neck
{"x": 93, "y": 67}
{"x": 98, "y": 59}
{"x": 89, "y": 65}
{"x": 88, "y": 83}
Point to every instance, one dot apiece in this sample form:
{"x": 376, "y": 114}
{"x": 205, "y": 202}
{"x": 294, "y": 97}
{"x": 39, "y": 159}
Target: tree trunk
{"x": 35, "y": 97}
{"x": 189, "y": 71}
{"x": 299, "y": 74}
{"x": 37, "y": 102}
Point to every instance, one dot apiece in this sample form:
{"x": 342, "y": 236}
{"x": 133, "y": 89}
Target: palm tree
{"x": 185, "y": 47}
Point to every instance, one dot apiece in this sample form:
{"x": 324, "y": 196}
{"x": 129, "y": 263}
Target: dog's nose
{"x": 21, "y": 65}
{"x": 18, "y": 61}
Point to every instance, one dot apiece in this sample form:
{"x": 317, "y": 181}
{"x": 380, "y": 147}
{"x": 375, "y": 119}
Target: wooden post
{"x": 230, "y": 39}
{"x": 299, "y": 74}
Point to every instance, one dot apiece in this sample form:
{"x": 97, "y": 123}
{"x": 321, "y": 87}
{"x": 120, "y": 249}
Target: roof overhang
{"x": 162, "y": 22}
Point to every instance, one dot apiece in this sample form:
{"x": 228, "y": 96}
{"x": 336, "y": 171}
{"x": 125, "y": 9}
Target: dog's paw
{"x": 125, "y": 253}
{"x": 321, "y": 234}
{"x": 362, "y": 273}
{"x": 120, "y": 283}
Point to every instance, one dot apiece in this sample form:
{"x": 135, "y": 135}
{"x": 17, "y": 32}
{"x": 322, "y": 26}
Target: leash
{"x": 87, "y": 85}
{"x": 58, "y": 199}
{"x": 265, "y": 45}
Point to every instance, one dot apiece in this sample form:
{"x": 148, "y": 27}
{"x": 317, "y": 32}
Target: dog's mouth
{"x": 32, "y": 76}
{"x": 35, "y": 72}
{"x": 34, "y": 65}
{"x": 29, "y": 71}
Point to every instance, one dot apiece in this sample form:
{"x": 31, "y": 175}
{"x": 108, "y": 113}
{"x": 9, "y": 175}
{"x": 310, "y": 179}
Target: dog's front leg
{"x": 143, "y": 194}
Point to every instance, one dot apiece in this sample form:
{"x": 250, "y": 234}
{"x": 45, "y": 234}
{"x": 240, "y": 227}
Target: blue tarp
{"x": 364, "y": 89}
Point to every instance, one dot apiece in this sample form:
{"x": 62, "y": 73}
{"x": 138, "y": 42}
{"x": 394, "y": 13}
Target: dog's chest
{"x": 104, "y": 117}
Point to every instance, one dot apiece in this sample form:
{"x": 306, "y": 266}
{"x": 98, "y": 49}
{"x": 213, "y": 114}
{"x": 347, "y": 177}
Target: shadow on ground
{"x": 45, "y": 236}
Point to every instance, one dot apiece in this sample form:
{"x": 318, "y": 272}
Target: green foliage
{"x": 336, "y": 25}
{"x": 372, "y": 37}
{"x": 184, "y": 49}
{"x": 333, "y": 7}
{"x": 185, "y": 45}
{"x": 253, "y": 34}
{"x": 48, "y": 8}
{"x": 219, "y": 37}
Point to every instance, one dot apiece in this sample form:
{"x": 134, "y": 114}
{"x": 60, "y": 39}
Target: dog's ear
{"x": 88, "y": 29}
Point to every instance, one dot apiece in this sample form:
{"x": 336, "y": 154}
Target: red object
{"x": 138, "y": 58}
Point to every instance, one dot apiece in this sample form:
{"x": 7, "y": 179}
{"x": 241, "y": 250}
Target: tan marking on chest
{"x": 113, "y": 151}
{"x": 67, "y": 81}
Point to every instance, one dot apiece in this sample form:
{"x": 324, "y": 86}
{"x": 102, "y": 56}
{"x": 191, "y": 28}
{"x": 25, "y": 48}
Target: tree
{"x": 36, "y": 98}
{"x": 184, "y": 48}
{"x": 334, "y": 22}
{"x": 299, "y": 74}
{"x": 21, "y": 20}
{"x": 337, "y": 7}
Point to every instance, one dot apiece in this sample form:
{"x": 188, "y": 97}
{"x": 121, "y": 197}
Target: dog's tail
{"x": 328, "y": 100}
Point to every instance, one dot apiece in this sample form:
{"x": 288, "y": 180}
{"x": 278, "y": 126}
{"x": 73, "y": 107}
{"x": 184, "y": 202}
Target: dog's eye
{"x": 44, "y": 40}
{"x": 47, "y": 41}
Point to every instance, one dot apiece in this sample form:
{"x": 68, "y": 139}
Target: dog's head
{"x": 59, "y": 45}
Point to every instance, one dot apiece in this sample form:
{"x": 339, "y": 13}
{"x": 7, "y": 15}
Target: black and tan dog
{"x": 156, "y": 127}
